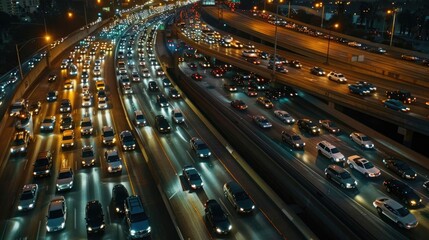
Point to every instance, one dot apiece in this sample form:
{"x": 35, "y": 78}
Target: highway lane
{"x": 367, "y": 190}
{"x": 170, "y": 153}
{"x": 92, "y": 183}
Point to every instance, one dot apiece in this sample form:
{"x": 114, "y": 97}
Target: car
{"x": 238, "y": 104}
{"x": 307, "y": 125}
{"x": 378, "y": 50}
{"x": 403, "y": 192}
{"x": 330, "y": 151}
{"x": 68, "y": 140}
{"x": 265, "y": 102}
{"x": 20, "y": 143}
{"x": 317, "y": 71}
{"x": 94, "y": 217}
{"x": 216, "y": 217}
{"x": 362, "y": 140}
{"x": 177, "y": 116}
{"x": 409, "y": 58}
{"x": 216, "y": 72}
{"x": 395, "y": 105}
{"x": 239, "y": 198}
{"x": 395, "y": 212}
{"x": 278, "y": 68}
{"x": 230, "y": 87}
{"x": 159, "y": 72}
{"x": 354, "y": 44}
{"x": 43, "y": 164}
{"x": 249, "y": 53}
{"x": 262, "y": 121}
{"x": 293, "y": 139}
{"x": 337, "y": 77}
{"x": 66, "y": 122}
{"x": 65, "y": 179}
{"x": 68, "y": 84}
{"x": 162, "y": 124}
{"x": 86, "y": 100}
{"x": 197, "y": 76}
{"x": 87, "y": 156}
{"x": 174, "y": 93}
{"x": 125, "y": 80}
{"x": 236, "y": 44}
{"x": 295, "y": 64}
{"x": 86, "y": 127}
{"x": 65, "y": 106}
{"x": 329, "y": 126}
{"x": 136, "y": 218}
{"x": 128, "y": 141}
{"x": 153, "y": 86}
{"x": 119, "y": 195}
{"x": 368, "y": 85}
{"x": 199, "y": 147}
{"x": 23, "y": 121}
{"x": 145, "y": 73}
{"x": 35, "y": 108}
{"x": 108, "y": 135}
{"x": 363, "y": 166}
{"x": 284, "y": 116}
{"x": 99, "y": 85}
{"x": 166, "y": 82}
{"x": 192, "y": 177}
{"x": 401, "y": 168}
{"x": 162, "y": 100}
{"x": 48, "y": 124}
{"x": 401, "y": 95}
{"x": 359, "y": 89}
{"x": 340, "y": 176}
{"x": 52, "y": 96}
{"x": 102, "y": 104}
{"x": 52, "y": 77}
{"x": 18, "y": 106}
{"x": 114, "y": 163}
{"x": 57, "y": 214}
{"x": 28, "y": 197}
{"x": 127, "y": 89}
{"x": 139, "y": 118}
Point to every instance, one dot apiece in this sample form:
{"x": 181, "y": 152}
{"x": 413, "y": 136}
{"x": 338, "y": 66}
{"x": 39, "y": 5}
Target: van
{"x": 330, "y": 151}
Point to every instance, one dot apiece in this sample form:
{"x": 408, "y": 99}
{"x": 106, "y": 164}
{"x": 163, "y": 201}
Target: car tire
{"x": 401, "y": 225}
{"x": 351, "y": 166}
{"x": 388, "y": 189}
{"x": 403, "y": 175}
{"x": 366, "y": 175}
{"x": 342, "y": 185}
{"x": 328, "y": 176}
{"x": 379, "y": 211}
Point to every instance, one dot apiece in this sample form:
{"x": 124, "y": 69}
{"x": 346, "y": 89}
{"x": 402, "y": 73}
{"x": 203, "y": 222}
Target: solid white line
{"x": 74, "y": 218}
{"x": 4, "y": 230}
{"x": 108, "y": 214}
{"x": 38, "y": 231}
{"x": 172, "y": 195}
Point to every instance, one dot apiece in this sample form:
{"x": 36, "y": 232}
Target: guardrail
{"x": 408, "y": 121}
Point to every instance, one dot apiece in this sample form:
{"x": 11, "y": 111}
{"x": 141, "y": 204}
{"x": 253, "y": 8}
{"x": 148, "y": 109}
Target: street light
{"x": 321, "y": 5}
{"x": 275, "y": 37}
{"x": 336, "y": 25}
{"x": 393, "y": 23}
{"x": 21, "y": 74}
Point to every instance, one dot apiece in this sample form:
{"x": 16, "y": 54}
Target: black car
{"x": 238, "y": 197}
{"x": 43, "y": 164}
{"x": 67, "y": 122}
{"x": 119, "y": 194}
{"x": 403, "y": 192}
{"x": 401, "y": 168}
{"x": 216, "y": 217}
{"x": 403, "y": 96}
{"x": 174, "y": 93}
{"x": 308, "y": 126}
{"x": 52, "y": 78}
{"x": 153, "y": 86}
{"x": 317, "y": 71}
{"x": 288, "y": 91}
{"x": 94, "y": 217}
{"x": 238, "y": 104}
{"x": 35, "y": 107}
{"x": 162, "y": 124}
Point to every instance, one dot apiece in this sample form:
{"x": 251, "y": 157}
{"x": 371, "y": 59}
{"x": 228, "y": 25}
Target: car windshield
{"x": 345, "y": 175}
{"x": 114, "y": 158}
{"x": 26, "y": 195}
{"x": 194, "y": 177}
{"x": 241, "y": 196}
{"x": 128, "y": 138}
{"x": 64, "y": 175}
{"x": 87, "y": 153}
{"x": 296, "y": 137}
{"x": 368, "y": 165}
{"x": 178, "y": 114}
{"x": 201, "y": 146}
{"x": 67, "y": 137}
{"x": 365, "y": 138}
{"x": 403, "y": 166}
{"x": 140, "y": 117}
{"x": 18, "y": 142}
{"x": 67, "y": 120}
{"x": 334, "y": 150}
{"x": 137, "y": 217}
{"x": 403, "y": 211}
{"x": 340, "y": 75}
{"x": 108, "y": 134}
{"x": 41, "y": 162}
{"x": 56, "y": 214}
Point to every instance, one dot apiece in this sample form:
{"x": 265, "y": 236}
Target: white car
{"x": 113, "y": 161}
{"x": 330, "y": 151}
{"x": 68, "y": 139}
{"x": 363, "y": 166}
{"x": 86, "y": 100}
{"x": 362, "y": 140}
{"x": 48, "y": 124}
{"x": 108, "y": 135}
{"x": 284, "y": 116}
{"x": 28, "y": 197}
{"x": 177, "y": 116}
{"x": 65, "y": 179}
{"x": 102, "y": 104}
{"x": 68, "y": 84}
{"x": 57, "y": 214}
{"x": 337, "y": 77}
{"x": 145, "y": 73}
{"x": 395, "y": 212}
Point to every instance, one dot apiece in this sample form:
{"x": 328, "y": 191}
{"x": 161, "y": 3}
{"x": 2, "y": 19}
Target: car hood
{"x": 338, "y": 156}
{"x": 26, "y": 203}
{"x": 55, "y": 222}
{"x": 140, "y": 226}
{"x": 64, "y": 181}
{"x": 410, "y": 196}
{"x": 197, "y": 182}
{"x": 114, "y": 164}
{"x": 246, "y": 204}
{"x": 223, "y": 225}
{"x": 87, "y": 159}
{"x": 46, "y": 124}
{"x": 409, "y": 219}
{"x": 95, "y": 222}
{"x": 41, "y": 168}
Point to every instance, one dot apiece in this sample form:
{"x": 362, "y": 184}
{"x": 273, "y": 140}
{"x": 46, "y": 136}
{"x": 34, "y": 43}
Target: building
{"x": 19, "y": 8}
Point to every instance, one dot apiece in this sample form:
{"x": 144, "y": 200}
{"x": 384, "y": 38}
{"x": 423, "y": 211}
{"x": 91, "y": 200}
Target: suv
{"x": 337, "y": 77}
{"x": 340, "y": 176}
{"x": 136, "y": 217}
{"x": 330, "y": 151}
{"x": 94, "y": 217}
{"x": 293, "y": 139}
{"x": 162, "y": 124}
{"x": 86, "y": 127}
{"x": 238, "y": 197}
{"x": 127, "y": 140}
{"x": 403, "y": 192}
{"x": 43, "y": 164}
{"x": 114, "y": 163}
{"x": 20, "y": 143}
{"x": 139, "y": 118}
{"x": 108, "y": 135}
{"x": 68, "y": 139}
{"x": 403, "y": 96}
{"x": 216, "y": 217}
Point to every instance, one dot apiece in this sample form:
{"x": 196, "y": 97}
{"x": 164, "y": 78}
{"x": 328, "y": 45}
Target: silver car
{"x": 57, "y": 214}
{"x": 192, "y": 177}
{"x": 28, "y": 197}
{"x": 88, "y": 158}
{"x": 65, "y": 179}
{"x": 395, "y": 212}
{"x": 284, "y": 116}
{"x": 362, "y": 140}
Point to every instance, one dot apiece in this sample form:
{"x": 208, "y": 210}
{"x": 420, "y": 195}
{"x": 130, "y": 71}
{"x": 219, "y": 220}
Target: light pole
{"x": 393, "y": 24}
{"x": 336, "y": 25}
{"x": 275, "y": 38}
{"x": 321, "y": 5}
{"x": 17, "y": 48}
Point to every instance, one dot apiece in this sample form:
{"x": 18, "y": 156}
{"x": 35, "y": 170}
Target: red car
{"x": 197, "y": 77}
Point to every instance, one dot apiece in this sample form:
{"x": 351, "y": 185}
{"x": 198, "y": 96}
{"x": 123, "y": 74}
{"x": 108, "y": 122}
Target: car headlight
{"x": 89, "y": 229}
{"x": 109, "y": 168}
{"x": 133, "y": 232}
{"x": 102, "y": 226}
{"x": 47, "y": 171}
{"x": 218, "y": 230}
{"x": 48, "y": 228}
{"x": 412, "y": 202}
{"x": 193, "y": 186}
{"x": 120, "y": 166}
{"x": 20, "y": 207}
{"x": 229, "y": 227}
{"x": 241, "y": 209}
{"x": 63, "y": 224}
{"x": 348, "y": 185}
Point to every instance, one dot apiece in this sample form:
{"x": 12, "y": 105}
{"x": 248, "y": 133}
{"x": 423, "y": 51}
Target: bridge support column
{"x": 408, "y": 136}
{"x": 331, "y": 105}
